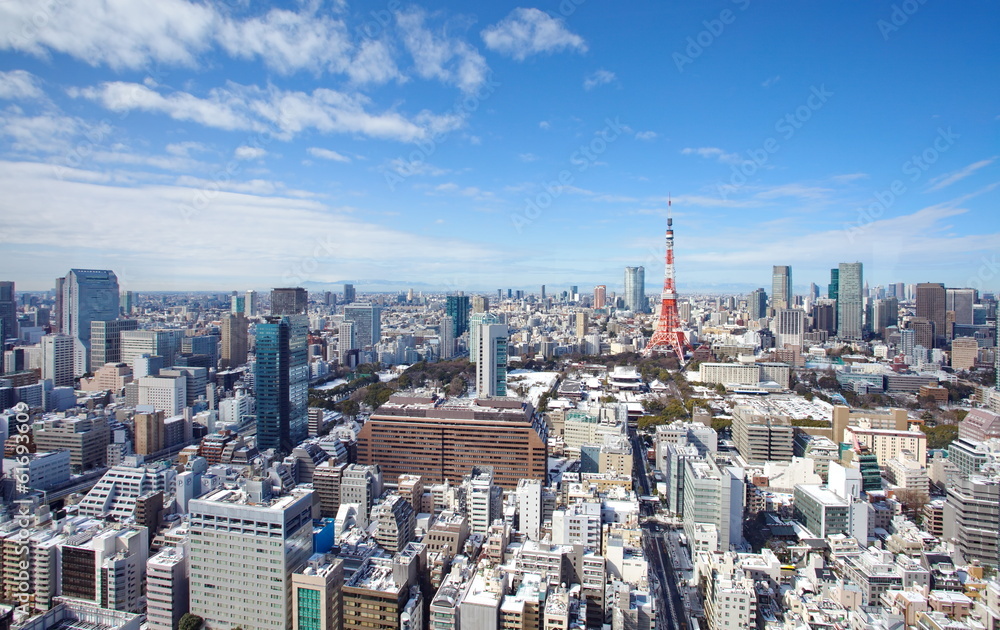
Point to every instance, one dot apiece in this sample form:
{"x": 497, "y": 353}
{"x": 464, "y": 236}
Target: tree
{"x": 190, "y": 622}
{"x": 720, "y": 389}
{"x": 941, "y": 436}
{"x": 456, "y": 387}
{"x": 721, "y": 424}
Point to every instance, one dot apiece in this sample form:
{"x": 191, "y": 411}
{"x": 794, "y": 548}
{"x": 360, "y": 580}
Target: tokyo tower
{"x": 668, "y": 336}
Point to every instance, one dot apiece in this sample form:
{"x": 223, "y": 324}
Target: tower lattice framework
{"x": 668, "y": 336}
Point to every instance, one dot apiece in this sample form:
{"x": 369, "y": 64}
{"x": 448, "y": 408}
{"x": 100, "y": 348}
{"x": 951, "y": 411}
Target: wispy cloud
{"x": 327, "y": 154}
{"x": 17, "y": 85}
{"x": 600, "y": 77}
{"x": 527, "y": 157}
{"x": 645, "y": 135}
{"x": 249, "y": 153}
{"x": 526, "y": 32}
{"x": 438, "y": 56}
{"x": 943, "y": 181}
{"x": 771, "y": 81}
{"x": 251, "y": 108}
{"x": 713, "y": 153}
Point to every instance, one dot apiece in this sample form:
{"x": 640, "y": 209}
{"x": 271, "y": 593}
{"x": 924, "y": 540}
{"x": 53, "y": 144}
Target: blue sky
{"x": 449, "y": 145}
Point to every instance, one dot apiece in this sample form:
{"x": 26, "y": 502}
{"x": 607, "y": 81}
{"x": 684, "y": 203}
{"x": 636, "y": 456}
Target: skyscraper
{"x": 781, "y": 287}
{"x": 757, "y": 303}
{"x": 635, "y": 289}
{"x": 932, "y": 306}
{"x": 281, "y": 381}
{"x": 790, "y": 327}
{"x": 600, "y": 295}
{"x": 491, "y": 360}
{"x": 234, "y": 340}
{"x": 251, "y": 305}
{"x": 241, "y": 575}
{"x": 457, "y": 307}
{"x": 127, "y": 301}
{"x": 88, "y": 295}
{"x": 345, "y": 339}
{"x": 885, "y": 313}
{"x": 8, "y": 311}
{"x": 57, "y": 359}
{"x": 961, "y": 301}
{"x": 480, "y": 304}
{"x": 349, "y": 294}
{"x": 237, "y": 303}
{"x": 106, "y": 341}
{"x": 290, "y": 301}
{"x": 446, "y": 339}
{"x": 834, "y": 288}
{"x": 475, "y": 322}
{"x": 367, "y": 320}
{"x": 850, "y": 303}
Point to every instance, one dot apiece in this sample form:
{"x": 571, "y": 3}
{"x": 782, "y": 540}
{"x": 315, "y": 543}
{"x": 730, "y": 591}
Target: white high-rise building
{"x": 58, "y": 359}
{"x": 166, "y": 588}
{"x": 245, "y": 546}
{"x": 790, "y": 326}
{"x": 483, "y": 500}
{"x": 166, "y": 393}
{"x": 476, "y": 320}
{"x": 529, "y": 507}
{"x": 252, "y": 303}
{"x": 635, "y": 289}
{"x": 491, "y": 360}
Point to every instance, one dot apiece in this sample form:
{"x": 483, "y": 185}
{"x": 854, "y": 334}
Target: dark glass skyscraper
{"x": 291, "y": 301}
{"x": 89, "y": 295}
{"x": 781, "y": 287}
{"x": 833, "y": 290}
{"x": 8, "y": 311}
{"x": 457, "y": 307}
{"x": 281, "y": 380}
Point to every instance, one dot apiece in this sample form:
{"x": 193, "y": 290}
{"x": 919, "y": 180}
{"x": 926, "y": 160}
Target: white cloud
{"x": 440, "y": 56}
{"x": 943, "y": 181}
{"x": 18, "y": 85}
{"x": 327, "y": 154}
{"x": 545, "y": 125}
{"x": 251, "y": 108}
{"x": 117, "y": 33}
{"x": 645, "y": 135}
{"x": 600, "y": 77}
{"x": 49, "y": 132}
{"x": 287, "y": 41}
{"x": 184, "y": 149}
{"x": 527, "y": 157}
{"x": 273, "y": 236}
{"x": 713, "y": 153}
{"x": 525, "y": 32}
{"x": 246, "y": 152}
{"x": 771, "y": 81}
{"x": 374, "y": 63}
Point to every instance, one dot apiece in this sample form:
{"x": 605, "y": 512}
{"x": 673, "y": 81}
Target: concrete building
{"x": 889, "y": 444}
{"x": 289, "y": 301}
{"x": 384, "y": 595}
{"x": 964, "y": 353}
{"x": 42, "y": 470}
{"x": 233, "y": 342}
{"x": 245, "y": 546}
{"x": 713, "y": 495}
{"x": 396, "y": 521}
{"x": 86, "y": 439}
{"x": 107, "y": 566}
{"x": 850, "y": 302}
{"x": 979, "y": 425}
{"x": 167, "y": 393}
{"x": 166, "y": 588}
{"x": 316, "y": 594}
{"x": 972, "y": 518}
{"x": 491, "y": 360}
{"x": 58, "y": 363}
{"x": 106, "y": 341}
{"x": 781, "y": 287}
{"x": 162, "y": 343}
{"x": 438, "y": 441}
{"x": 762, "y": 438}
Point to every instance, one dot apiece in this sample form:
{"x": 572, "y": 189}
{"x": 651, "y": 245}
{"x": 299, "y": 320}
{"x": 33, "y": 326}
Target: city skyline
{"x": 457, "y": 145}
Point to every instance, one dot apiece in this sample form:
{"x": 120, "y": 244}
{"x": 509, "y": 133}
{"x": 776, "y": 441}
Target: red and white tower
{"x": 668, "y": 336}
